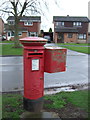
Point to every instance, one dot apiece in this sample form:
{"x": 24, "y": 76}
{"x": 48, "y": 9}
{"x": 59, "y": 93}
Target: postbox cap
{"x": 33, "y": 39}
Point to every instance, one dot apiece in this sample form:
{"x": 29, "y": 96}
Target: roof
{"x": 66, "y": 30}
{"x": 24, "y": 18}
{"x": 70, "y": 18}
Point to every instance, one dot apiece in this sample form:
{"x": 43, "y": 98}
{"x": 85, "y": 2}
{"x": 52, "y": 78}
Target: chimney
{"x": 67, "y": 15}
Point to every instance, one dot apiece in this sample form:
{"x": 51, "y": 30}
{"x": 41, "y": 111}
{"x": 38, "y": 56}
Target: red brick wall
{"x": 69, "y": 40}
{"x": 74, "y": 38}
{"x": 34, "y": 28}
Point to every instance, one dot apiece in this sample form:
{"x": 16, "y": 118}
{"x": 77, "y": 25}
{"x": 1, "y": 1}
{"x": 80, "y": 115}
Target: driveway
{"x": 11, "y": 72}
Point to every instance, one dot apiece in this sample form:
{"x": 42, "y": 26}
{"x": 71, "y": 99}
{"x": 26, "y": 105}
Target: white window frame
{"x": 32, "y": 33}
{"x": 70, "y": 35}
{"x": 9, "y": 33}
{"x": 82, "y": 36}
{"x": 77, "y": 24}
{"x": 57, "y": 23}
{"x": 20, "y": 33}
{"x": 62, "y": 23}
{"x": 28, "y": 23}
{"x": 11, "y": 22}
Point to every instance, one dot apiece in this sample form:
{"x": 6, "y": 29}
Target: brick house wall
{"x": 70, "y": 40}
{"x": 1, "y": 26}
{"x": 35, "y": 27}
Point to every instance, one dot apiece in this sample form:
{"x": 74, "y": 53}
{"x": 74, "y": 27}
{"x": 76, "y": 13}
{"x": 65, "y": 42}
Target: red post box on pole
{"x": 37, "y": 60}
{"x": 33, "y": 72}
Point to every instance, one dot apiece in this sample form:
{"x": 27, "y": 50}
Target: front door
{"x": 60, "y": 38}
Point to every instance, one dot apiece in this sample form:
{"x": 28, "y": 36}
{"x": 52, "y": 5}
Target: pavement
{"x": 11, "y": 73}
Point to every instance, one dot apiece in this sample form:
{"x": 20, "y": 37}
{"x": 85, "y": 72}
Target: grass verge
{"x": 85, "y": 50}
{"x": 76, "y": 47}
{"x": 0, "y": 106}
{"x": 6, "y": 41}
{"x": 76, "y": 98}
{"x": 76, "y": 44}
{"x": 13, "y": 105}
{"x": 9, "y": 50}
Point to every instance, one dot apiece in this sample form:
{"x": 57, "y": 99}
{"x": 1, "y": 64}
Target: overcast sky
{"x": 64, "y": 8}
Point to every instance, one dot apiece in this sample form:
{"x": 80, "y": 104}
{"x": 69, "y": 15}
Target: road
{"x": 11, "y": 72}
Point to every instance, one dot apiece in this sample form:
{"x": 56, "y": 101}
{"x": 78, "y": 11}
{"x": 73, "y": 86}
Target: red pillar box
{"x": 55, "y": 59}
{"x": 33, "y": 72}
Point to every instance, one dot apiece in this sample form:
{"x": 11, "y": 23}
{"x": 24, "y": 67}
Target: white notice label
{"x": 35, "y": 64}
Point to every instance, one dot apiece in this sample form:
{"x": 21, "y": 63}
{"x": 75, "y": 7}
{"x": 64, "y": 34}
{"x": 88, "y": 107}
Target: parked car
{"x": 48, "y": 38}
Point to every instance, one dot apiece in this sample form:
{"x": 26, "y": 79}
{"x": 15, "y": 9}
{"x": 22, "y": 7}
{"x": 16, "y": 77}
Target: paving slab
{"x": 41, "y": 115}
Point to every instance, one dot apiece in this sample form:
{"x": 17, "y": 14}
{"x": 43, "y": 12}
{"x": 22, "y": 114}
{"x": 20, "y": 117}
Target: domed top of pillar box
{"x": 33, "y": 41}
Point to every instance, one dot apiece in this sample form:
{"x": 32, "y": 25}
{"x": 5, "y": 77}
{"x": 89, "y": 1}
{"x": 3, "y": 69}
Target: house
{"x": 89, "y": 23}
{"x": 69, "y": 29}
{"x": 1, "y": 26}
{"x": 28, "y": 26}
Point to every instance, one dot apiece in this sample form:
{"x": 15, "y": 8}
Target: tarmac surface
{"x": 11, "y": 72}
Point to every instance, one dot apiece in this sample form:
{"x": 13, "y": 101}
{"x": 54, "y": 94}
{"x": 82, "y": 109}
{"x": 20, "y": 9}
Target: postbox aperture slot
{"x": 35, "y": 53}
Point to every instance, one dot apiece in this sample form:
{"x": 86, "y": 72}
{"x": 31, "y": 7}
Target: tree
{"x": 41, "y": 33}
{"x": 18, "y": 8}
{"x": 50, "y": 29}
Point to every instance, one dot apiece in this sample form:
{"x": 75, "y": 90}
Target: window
{"x": 11, "y": 22}
{"x": 32, "y": 34}
{"x": 29, "y": 34}
{"x": 81, "y": 36}
{"x": 77, "y": 23}
{"x": 29, "y": 23}
{"x": 62, "y": 23}
{"x": 12, "y": 33}
{"x": 84, "y": 36}
{"x": 57, "y": 23}
{"x": 70, "y": 35}
{"x": 9, "y": 34}
{"x": 20, "y": 33}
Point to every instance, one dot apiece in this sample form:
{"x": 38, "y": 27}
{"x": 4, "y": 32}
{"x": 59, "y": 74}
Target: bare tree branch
{"x": 23, "y": 8}
{"x": 6, "y": 11}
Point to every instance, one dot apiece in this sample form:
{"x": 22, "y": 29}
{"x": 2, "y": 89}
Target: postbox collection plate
{"x": 35, "y": 64}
